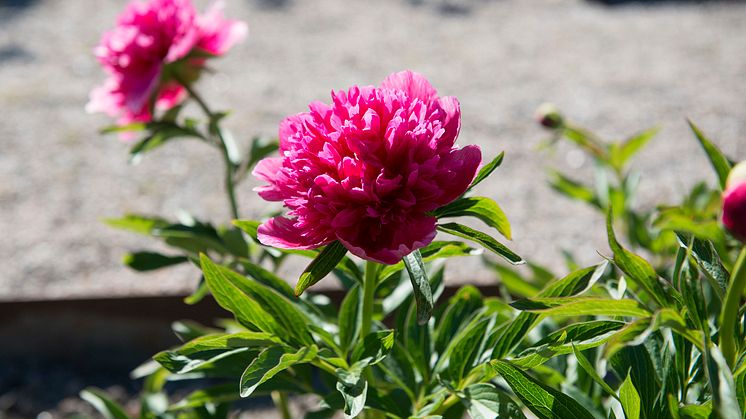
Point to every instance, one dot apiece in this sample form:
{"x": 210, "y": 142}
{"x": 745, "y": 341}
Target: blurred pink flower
{"x": 734, "y": 202}
{"x": 367, "y": 169}
{"x": 151, "y": 42}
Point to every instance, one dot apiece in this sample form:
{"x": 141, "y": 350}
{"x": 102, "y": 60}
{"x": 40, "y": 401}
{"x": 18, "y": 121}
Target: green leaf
{"x": 577, "y": 339}
{"x": 719, "y": 162}
{"x": 483, "y": 239}
{"x": 140, "y": 224}
{"x": 516, "y": 284}
{"x": 324, "y": 263}
{"x": 629, "y": 398}
{"x": 636, "y": 362}
{"x": 250, "y": 227}
{"x": 420, "y": 284}
{"x": 459, "y": 309}
{"x": 225, "y": 342}
{"x": 261, "y": 147}
{"x": 583, "y": 306}
{"x": 619, "y": 154}
{"x": 545, "y": 402}
{"x": 514, "y": 332}
{"x": 194, "y": 237}
{"x": 636, "y": 268}
{"x": 463, "y": 350}
{"x": 198, "y": 294}
{"x": 271, "y": 361}
{"x": 253, "y": 303}
{"x": 591, "y": 371}
{"x": 671, "y": 318}
{"x": 486, "y": 170}
{"x": 483, "y": 401}
{"x": 217, "y": 394}
{"x": 696, "y": 411}
{"x": 708, "y": 259}
{"x": 150, "y": 261}
{"x": 209, "y": 350}
{"x": 374, "y": 347}
{"x": 573, "y": 189}
{"x": 114, "y": 129}
{"x": 230, "y": 296}
{"x": 350, "y": 317}
{"x": 160, "y": 133}
{"x": 107, "y": 407}
{"x": 722, "y": 384}
{"x": 267, "y": 278}
{"x": 433, "y": 251}
{"x": 632, "y": 333}
{"x": 354, "y": 389}
{"x": 679, "y": 220}
{"x": 479, "y": 207}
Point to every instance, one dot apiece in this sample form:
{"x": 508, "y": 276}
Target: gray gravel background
{"x": 613, "y": 69}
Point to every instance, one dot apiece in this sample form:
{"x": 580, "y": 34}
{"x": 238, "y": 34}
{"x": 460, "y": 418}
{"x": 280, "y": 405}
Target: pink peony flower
{"x": 367, "y": 169}
{"x": 734, "y": 202}
{"x": 148, "y": 39}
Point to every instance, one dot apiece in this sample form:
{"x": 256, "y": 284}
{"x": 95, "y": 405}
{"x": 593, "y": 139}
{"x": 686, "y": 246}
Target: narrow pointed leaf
{"x": 629, "y": 398}
{"x": 583, "y": 306}
{"x": 150, "y": 261}
{"x": 636, "y": 268}
{"x": 101, "y": 402}
{"x": 483, "y": 401}
{"x": 591, "y": 371}
{"x": 232, "y": 291}
{"x": 374, "y": 347}
{"x": 487, "y": 170}
{"x": 270, "y": 362}
{"x": 722, "y": 384}
{"x": 545, "y": 402}
{"x": 324, "y": 263}
{"x": 485, "y": 240}
{"x": 717, "y": 159}
{"x": 479, "y": 207}
{"x": 420, "y": 284}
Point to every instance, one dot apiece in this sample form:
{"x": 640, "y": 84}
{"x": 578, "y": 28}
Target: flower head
{"x": 149, "y": 39}
{"x": 734, "y": 202}
{"x": 367, "y": 169}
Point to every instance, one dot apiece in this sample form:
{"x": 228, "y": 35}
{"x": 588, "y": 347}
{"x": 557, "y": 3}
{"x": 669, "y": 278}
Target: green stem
{"x": 369, "y": 290}
{"x": 729, "y": 313}
{"x": 217, "y": 132}
{"x": 280, "y": 398}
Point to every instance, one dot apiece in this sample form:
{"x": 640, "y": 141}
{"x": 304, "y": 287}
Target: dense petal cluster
{"x": 734, "y": 202}
{"x": 147, "y": 38}
{"x": 367, "y": 169}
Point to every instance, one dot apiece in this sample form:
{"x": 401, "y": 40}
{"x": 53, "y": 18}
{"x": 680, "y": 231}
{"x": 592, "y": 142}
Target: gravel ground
{"x": 613, "y": 69}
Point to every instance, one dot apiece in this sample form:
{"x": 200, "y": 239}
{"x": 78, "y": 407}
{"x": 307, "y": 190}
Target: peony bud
{"x": 549, "y": 116}
{"x": 734, "y": 202}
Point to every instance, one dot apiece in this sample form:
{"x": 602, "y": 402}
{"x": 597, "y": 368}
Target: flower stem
{"x": 729, "y": 313}
{"x": 217, "y": 132}
{"x": 280, "y": 398}
{"x": 369, "y": 290}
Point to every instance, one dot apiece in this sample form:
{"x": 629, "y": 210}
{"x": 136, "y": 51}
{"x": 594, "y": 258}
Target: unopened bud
{"x": 734, "y": 202}
{"x": 549, "y": 116}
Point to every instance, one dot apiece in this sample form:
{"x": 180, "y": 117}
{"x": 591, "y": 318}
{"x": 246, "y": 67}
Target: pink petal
{"x": 457, "y": 171}
{"x": 403, "y": 239}
{"x": 216, "y": 34}
{"x": 452, "y": 121}
{"x": 734, "y": 210}
{"x": 413, "y": 84}
{"x": 268, "y": 170}
{"x": 282, "y": 232}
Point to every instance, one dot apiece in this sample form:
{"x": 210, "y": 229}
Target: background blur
{"x": 615, "y": 69}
